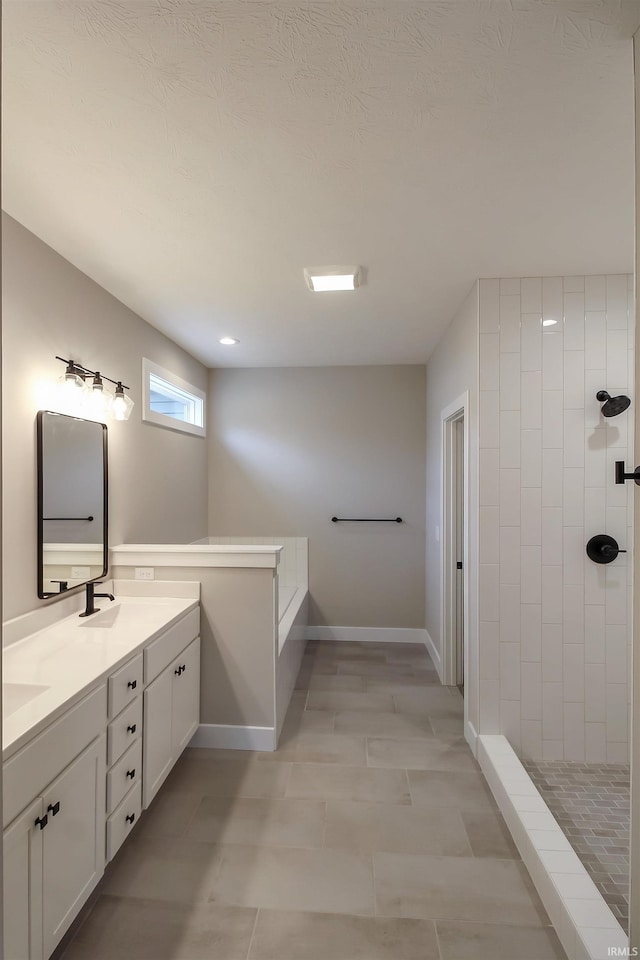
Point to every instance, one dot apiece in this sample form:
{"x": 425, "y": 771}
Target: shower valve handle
{"x": 621, "y": 476}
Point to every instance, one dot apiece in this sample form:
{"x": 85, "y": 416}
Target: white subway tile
{"x": 618, "y": 640}
{"x": 552, "y": 651}
{"x": 489, "y": 535}
{"x": 574, "y": 745}
{"x": 509, "y": 324}
{"x": 510, "y": 286}
{"x": 509, "y": 613}
{"x": 595, "y": 582}
{"x": 509, "y": 554}
{"x": 595, "y": 293}
{"x": 531, "y": 632}
{"x": 531, "y": 458}
{"x": 531, "y": 294}
{"x": 510, "y": 671}
{"x": 595, "y": 742}
{"x": 616, "y": 493}
{"x": 552, "y": 595}
{"x": 509, "y": 381}
{"x": 573, "y": 497}
{"x": 531, "y": 341}
{"x": 573, "y": 672}
{"x": 552, "y": 419}
{"x": 595, "y": 339}
{"x": 489, "y": 361}
{"x": 510, "y": 722}
{"x": 531, "y": 691}
{"x": 489, "y": 306}
{"x": 489, "y": 477}
{"x": 595, "y": 458}
{"x": 616, "y": 595}
{"x": 573, "y": 612}
{"x": 573, "y": 555}
{"x": 510, "y": 491}
{"x": 594, "y": 634}
{"x": 573, "y": 362}
{"x": 489, "y": 418}
{"x": 553, "y": 750}
{"x": 617, "y": 752}
{"x": 617, "y": 317}
{"x": 510, "y": 438}
{"x": 617, "y": 368}
{"x": 617, "y": 528}
{"x": 573, "y": 284}
{"x": 552, "y": 359}
{"x": 552, "y": 718}
{"x": 574, "y": 321}
{"x": 594, "y": 511}
{"x": 552, "y": 531}
{"x": 489, "y": 660}
{"x": 574, "y": 438}
{"x": 530, "y": 574}
{"x": 531, "y": 743}
{"x": 489, "y": 591}
{"x": 617, "y": 713}
{"x": 617, "y": 436}
{"x": 593, "y": 380}
{"x": 531, "y": 512}
{"x": 531, "y": 400}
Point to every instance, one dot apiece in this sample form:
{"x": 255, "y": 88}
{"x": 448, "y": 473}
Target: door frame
{"x": 449, "y": 416}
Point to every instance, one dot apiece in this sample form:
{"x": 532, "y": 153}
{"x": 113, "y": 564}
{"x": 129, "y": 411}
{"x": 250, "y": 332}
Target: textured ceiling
{"x": 193, "y": 157}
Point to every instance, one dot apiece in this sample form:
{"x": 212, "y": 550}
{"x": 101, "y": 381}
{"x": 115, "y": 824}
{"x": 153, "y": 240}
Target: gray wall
{"x": 157, "y": 480}
{"x": 289, "y": 448}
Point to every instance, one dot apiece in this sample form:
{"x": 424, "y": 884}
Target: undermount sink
{"x": 105, "y": 619}
{"x": 16, "y": 695}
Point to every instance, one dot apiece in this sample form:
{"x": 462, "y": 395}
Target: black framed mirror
{"x": 72, "y": 502}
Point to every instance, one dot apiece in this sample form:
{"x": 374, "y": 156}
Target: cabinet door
{"x": 156, "y": 753}
{"x": 185, "y": 701}
{"x": 73, "y": 841}
{"x": 22, "y": 892}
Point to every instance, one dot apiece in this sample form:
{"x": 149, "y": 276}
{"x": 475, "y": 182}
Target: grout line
{"x": 253, "y": 933}
{"x": 435, "y": 927}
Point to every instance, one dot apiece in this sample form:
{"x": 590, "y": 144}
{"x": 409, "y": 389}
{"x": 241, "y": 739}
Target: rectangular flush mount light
{"x": 323, "y": 279}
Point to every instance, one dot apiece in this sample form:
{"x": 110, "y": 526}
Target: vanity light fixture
{"x": 325, "y": 279}
{"x": 228, "y": 341}
{"x": 77, "y": 398}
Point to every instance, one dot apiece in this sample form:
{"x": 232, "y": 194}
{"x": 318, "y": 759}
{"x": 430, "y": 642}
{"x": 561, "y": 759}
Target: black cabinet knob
{"x": 132, "y": 684}
{"x": 131, "y": 728}
{"x": 130, "y": 817}
{"x": 54, "y": 808}
{"x": 178, "y": 672}
{"x": 42, "y": 821}
{"x": 131, "y": 773}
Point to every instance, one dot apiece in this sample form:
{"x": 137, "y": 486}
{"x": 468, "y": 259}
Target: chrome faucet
{"x": 91, "y": 595}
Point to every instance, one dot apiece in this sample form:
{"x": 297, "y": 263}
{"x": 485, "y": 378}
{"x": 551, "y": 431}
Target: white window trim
{"x": 161, "y": 419}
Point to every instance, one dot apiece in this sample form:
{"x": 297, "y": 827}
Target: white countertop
{"x": 73, "y": 655}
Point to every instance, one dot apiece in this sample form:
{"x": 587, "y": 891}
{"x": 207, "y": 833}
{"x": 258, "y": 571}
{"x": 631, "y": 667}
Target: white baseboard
{"x": 376, "y": 634}
{"x": 433, "y": 653}
{"x": 221, "y": 736}
{"x": 471, "y": 736}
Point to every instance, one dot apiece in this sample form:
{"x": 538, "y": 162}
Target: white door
{"x": 459, "y": 549}
{"x": 156, "y": 752}
{"x": 185, "y": 705}
{"x": 22, "y": 890}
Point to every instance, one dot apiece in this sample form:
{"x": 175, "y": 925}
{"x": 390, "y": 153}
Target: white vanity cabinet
{"x": 54, "y": 849}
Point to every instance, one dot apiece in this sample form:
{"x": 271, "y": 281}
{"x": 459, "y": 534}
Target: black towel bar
{"x": 366, "y": 519}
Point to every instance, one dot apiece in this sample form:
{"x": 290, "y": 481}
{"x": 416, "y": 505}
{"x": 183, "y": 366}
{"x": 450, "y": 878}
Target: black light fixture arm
{"x": 83, "y": 372}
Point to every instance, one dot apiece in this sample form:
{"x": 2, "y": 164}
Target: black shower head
{"x": 612, "y": 406}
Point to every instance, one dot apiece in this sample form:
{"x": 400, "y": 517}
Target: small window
{"x": 169, "y": 401}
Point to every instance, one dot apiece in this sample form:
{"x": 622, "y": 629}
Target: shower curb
{"x": 586, "y": 927}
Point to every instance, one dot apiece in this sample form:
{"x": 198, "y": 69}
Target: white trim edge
{"x": 433, "y": 653}
{"x": 377, "y": 634}
{"x": 222, "y": 736}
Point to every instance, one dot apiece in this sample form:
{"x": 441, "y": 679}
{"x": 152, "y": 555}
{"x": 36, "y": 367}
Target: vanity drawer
{"x": 26, "y": 774}
{"x": 125, "y": 685}
{"x": 166, "y": 648}
{"x": 122, "y": 731}
{"x": 123, "y": 775}
{"x": 122, "y": 820}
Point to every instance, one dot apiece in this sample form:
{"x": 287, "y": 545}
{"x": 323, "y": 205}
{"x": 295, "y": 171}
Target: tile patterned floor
{"x": 369, "y": 835}
{"x": 591, "y": 804}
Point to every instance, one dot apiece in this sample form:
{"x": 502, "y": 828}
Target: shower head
{"x": 612, "y": 406}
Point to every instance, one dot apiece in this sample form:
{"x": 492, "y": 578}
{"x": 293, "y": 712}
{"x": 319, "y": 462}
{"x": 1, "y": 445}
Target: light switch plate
{"x": 144, "y": 573}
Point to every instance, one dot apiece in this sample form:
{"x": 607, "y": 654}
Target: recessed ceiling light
{"x": 324, "y": 279}
{"x": 228, "y": 341}
{"x": 548, "y": 323}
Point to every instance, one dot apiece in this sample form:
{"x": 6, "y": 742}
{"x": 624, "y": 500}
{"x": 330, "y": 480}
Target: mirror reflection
{"x": 72, "y": 502}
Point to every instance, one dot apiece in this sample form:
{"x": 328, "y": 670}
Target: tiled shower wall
{"x": 554, "y": 627}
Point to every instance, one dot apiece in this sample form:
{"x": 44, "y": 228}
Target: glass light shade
{"x": 70, "y": 393}
{"x": 122, "y": 405}
{"x": 98, "y": 403}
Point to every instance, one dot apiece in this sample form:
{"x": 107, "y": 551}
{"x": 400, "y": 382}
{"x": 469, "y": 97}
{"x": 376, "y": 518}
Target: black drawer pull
{"x": 131, "y": 728}
{"x": 130, "y": 817}
{"x": 54, "y": 808}
{"x": 42, "y": 821}
{"x": 131, "y": 773}
{"x": 132, "y": 684}
{"x": 184, "y": 668}
{"x": 178, "y": 672}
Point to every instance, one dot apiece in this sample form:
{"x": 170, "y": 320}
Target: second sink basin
{"x": 16, "y": 695}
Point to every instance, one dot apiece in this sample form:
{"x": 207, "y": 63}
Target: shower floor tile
{"x": 591, "y": 804}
